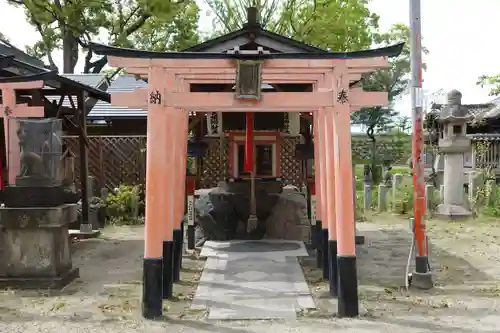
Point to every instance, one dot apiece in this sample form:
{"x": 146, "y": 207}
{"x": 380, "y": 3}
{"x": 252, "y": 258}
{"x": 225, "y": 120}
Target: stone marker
{"x": 367, "y": 197}
{"x": 429, "y": 199}
{"x": 382, "y": 197}
{"x": 397, "y": 179}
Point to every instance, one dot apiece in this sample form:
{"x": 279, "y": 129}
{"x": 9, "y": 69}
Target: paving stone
{"x": 253, "y": 280}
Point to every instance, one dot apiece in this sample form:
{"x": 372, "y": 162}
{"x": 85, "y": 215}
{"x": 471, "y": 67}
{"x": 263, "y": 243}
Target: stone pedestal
{"x": 33, "y": 196}
{"x": 453, "y": 194}
{"x": 34, "y": 247}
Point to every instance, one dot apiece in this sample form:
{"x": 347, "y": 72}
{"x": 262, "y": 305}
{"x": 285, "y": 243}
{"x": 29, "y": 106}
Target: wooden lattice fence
{"x": 215, "y": 164}
{"x": 112, "y": 160}
{"x": 115, "y": 160}
{"x": 290, "y": 166}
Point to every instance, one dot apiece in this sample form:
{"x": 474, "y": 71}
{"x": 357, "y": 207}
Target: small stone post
{"x": 104, "y": 193}
{"x": 93, "y": 210}
{"x": 134, "y": 206}
{"x": 441, "y": 193}
{"x": 382, "y": 197}
{"x": 367, "y": 197}
{"x": 397, "y": 179}
{"x": 429, "y": 199}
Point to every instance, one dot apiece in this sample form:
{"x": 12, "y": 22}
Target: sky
{"x": 459, "y": 34}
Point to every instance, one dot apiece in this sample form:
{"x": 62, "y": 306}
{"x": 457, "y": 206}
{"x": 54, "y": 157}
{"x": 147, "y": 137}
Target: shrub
{"x": 122, "y": 205}
{"x": 402, "y": 202}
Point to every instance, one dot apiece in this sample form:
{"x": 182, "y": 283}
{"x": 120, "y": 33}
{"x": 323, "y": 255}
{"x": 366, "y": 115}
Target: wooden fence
{"x": 112, "y": 160}
{"x": 115, "y": 160}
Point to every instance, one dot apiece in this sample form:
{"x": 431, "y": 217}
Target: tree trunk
{"x": 70, "y": 52}
{"x": 373, "y": 155}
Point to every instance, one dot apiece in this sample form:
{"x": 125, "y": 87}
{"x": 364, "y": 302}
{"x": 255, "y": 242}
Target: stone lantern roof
{"x": 453, "y": 110}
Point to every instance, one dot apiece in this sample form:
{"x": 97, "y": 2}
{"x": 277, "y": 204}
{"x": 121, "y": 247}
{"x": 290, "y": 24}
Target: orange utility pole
{"x": 422, "y": 277}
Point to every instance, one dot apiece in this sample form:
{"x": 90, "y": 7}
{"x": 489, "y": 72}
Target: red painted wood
{"x": 249, "y": 143}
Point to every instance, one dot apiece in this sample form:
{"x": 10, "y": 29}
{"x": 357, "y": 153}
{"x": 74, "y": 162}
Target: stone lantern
{"x": 453, "y": 143}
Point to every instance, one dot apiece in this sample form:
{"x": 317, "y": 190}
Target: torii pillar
{"x": 338, "y": 120}
{"x": 11, "y": 110}
{"x": 167, "y": 134}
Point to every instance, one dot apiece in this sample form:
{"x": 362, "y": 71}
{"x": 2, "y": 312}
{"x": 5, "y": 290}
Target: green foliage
{"x": 486, "y": 200}
{"x": 230, "y": 15}
{"x": 492, "y": 207}
{"x": 402, "y": 202}
{"x": 123, "y": 205}
{"x": 490, "y": 81}
{"x": 395, "y": 80}
{"x": 70, "y": 25}
{"x": 169, "y": 33}
{"x": 337, "y": 25}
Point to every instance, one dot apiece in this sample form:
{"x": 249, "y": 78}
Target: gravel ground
{"x": 465, "y": 259}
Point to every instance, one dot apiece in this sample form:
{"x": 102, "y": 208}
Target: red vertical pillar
{"x": 340, "y": 145}
{"x": 2, "y": 183}
{"x": 159, "y": 186}
{"x": 179, "y": 195}
{"x": 248, "y": 167}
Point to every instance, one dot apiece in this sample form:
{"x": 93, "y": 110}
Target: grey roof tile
{"x": 476, "y": 110}
{"x": 122, "y": 83}
{"x": 92, "y": 80}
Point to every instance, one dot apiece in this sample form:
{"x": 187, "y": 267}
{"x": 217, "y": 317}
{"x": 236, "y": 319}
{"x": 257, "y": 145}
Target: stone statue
{"x": 32, "y": 164}
{"x": 40, "y": 152}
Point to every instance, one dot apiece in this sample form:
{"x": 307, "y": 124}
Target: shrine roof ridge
{"x": 106, "y": 50}
{"x": 56, "y": 81}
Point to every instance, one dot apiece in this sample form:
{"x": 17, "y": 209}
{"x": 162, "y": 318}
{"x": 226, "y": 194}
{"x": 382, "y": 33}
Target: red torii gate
{"x": 169, "y": 100}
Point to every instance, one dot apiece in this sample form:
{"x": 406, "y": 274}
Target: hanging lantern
{"x": 248, "y": 79}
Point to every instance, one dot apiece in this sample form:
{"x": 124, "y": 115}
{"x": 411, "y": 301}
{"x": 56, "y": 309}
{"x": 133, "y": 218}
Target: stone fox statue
{"x": 32, "y": 164}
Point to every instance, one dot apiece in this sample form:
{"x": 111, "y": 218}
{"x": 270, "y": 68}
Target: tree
{"x": 403, "y": 124}
{"x": 71, "y": 25}
{"x": 230, "y": 15}
{"x": 337, "y": 25}
{"x": 492, "y": 81}
{"x": 395, "y": 80}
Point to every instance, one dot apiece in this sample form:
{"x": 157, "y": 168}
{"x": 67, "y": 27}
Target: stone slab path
{"x": 253, "y": 280}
